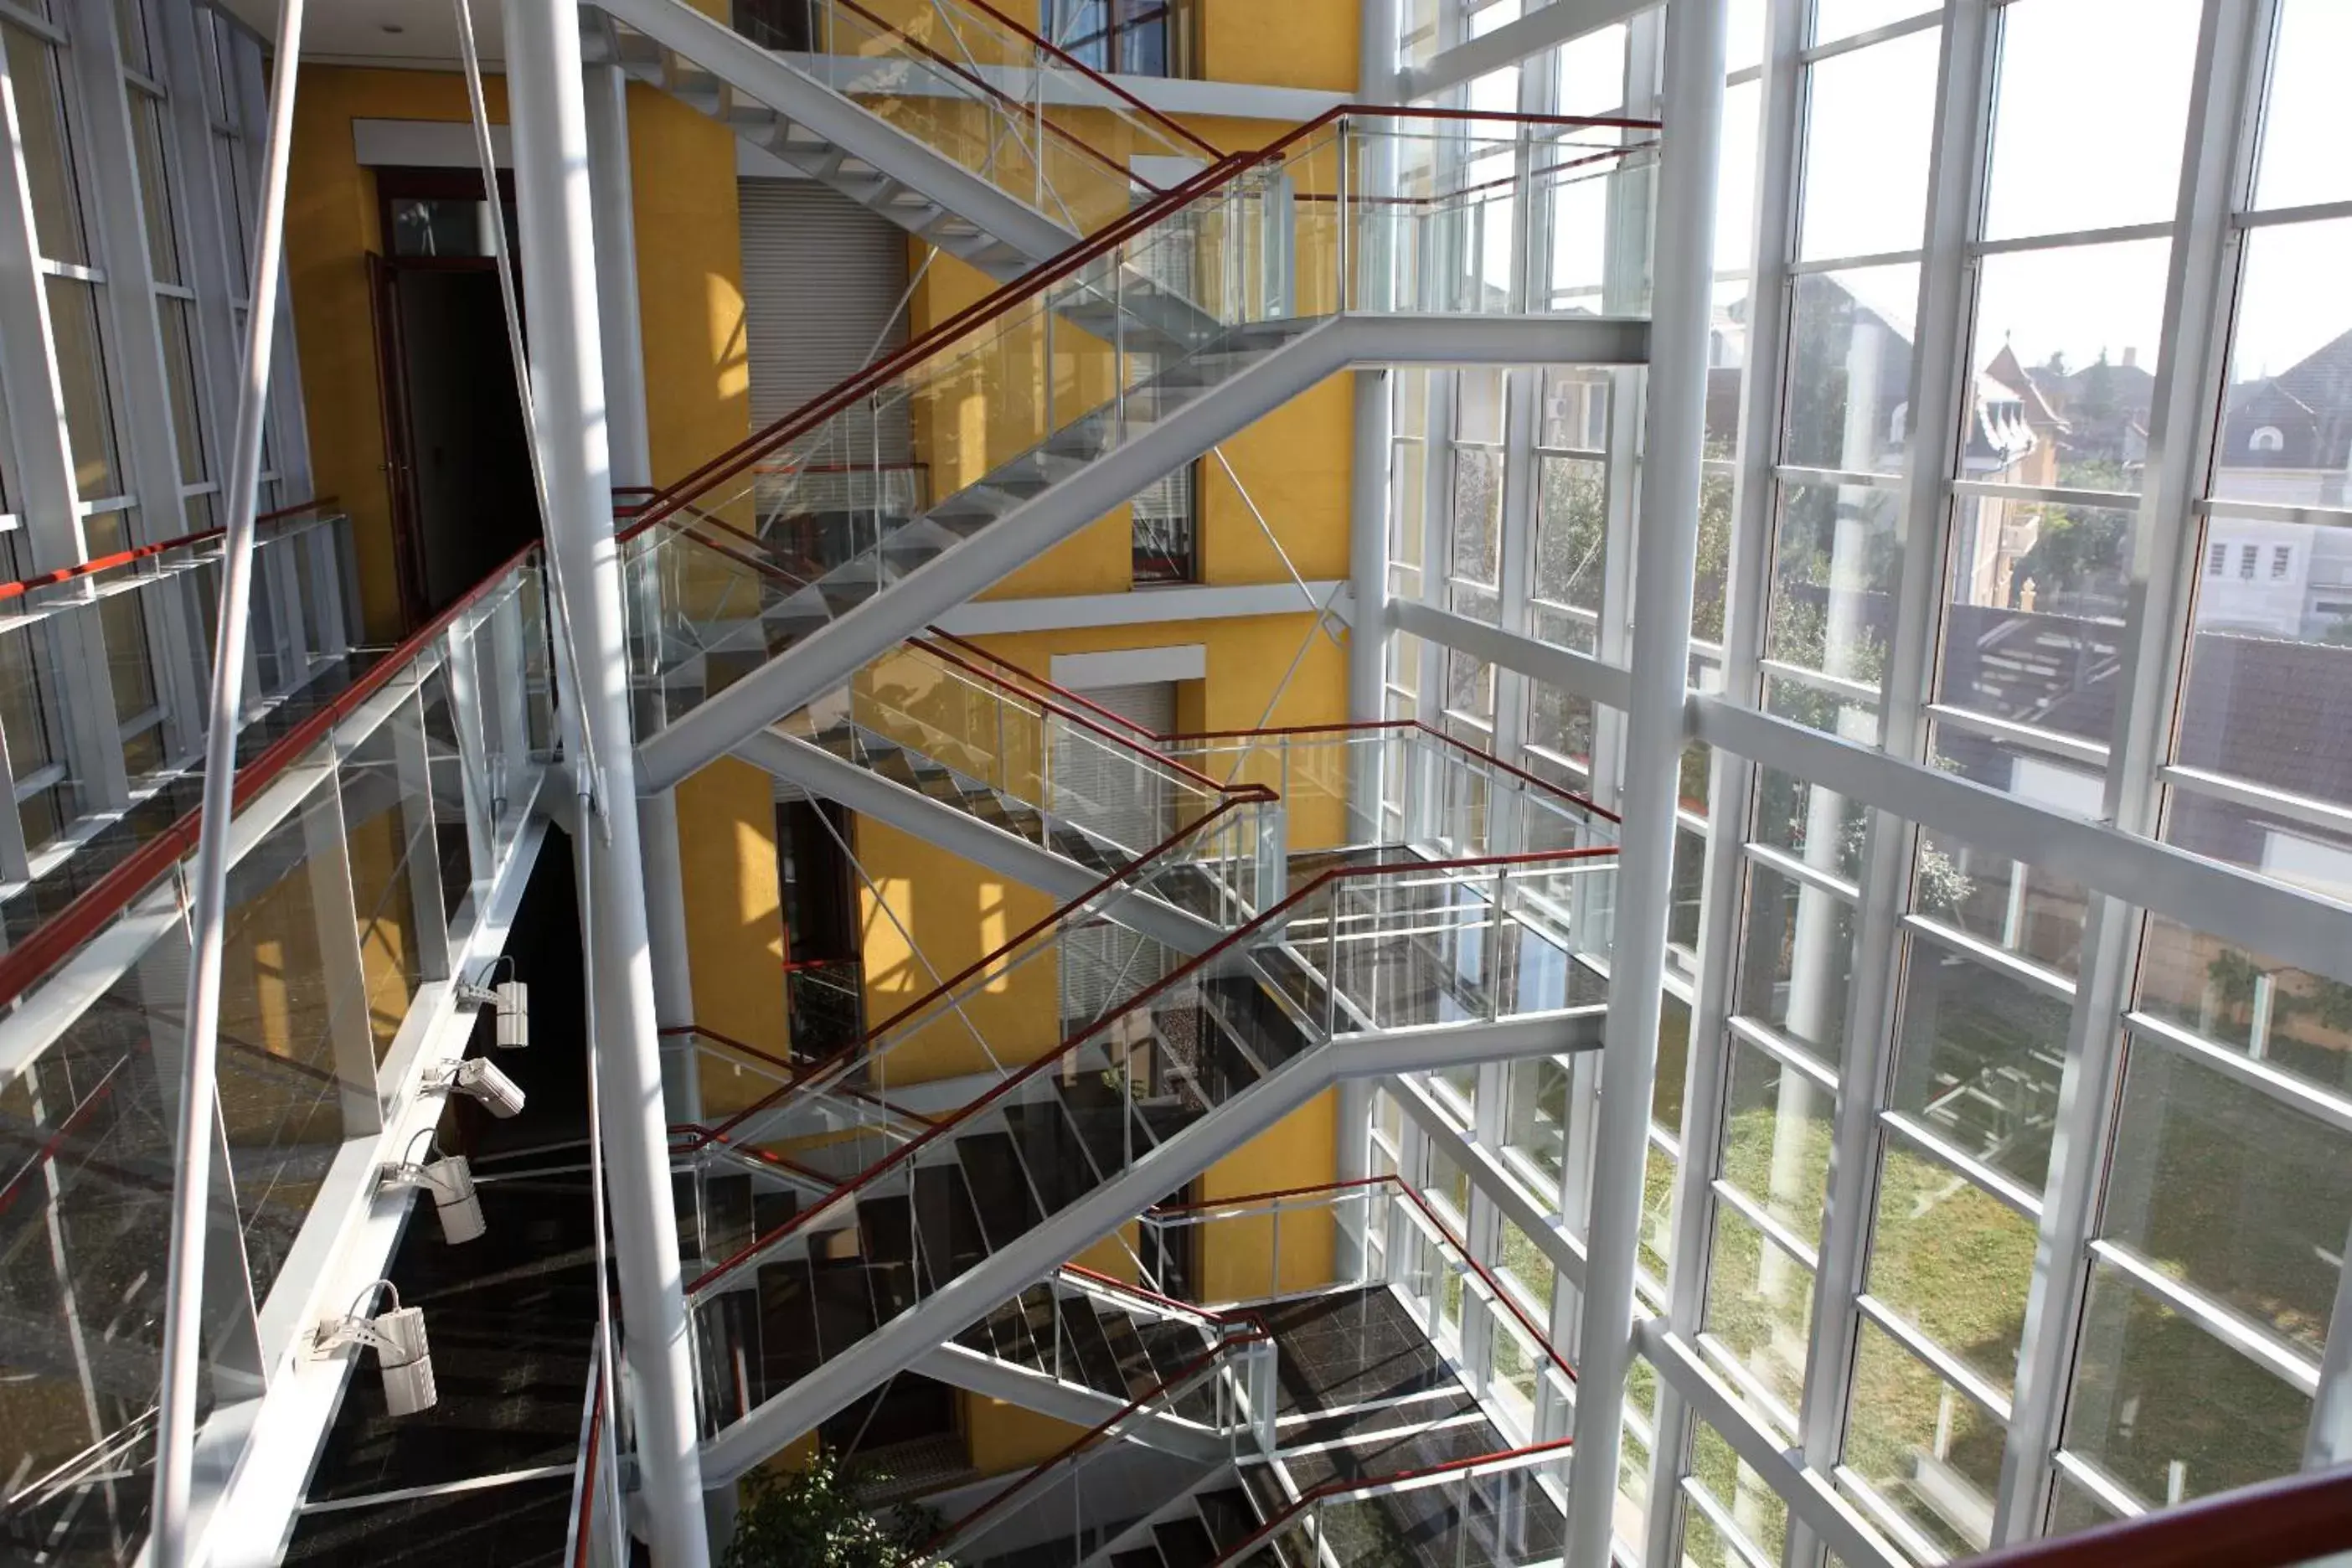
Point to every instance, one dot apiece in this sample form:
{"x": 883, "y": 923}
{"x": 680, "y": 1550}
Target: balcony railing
{"x": 375, "y": 820}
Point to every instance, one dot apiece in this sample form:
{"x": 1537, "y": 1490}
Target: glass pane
{"x": 154, "y": 195}
{"x": 1850, "y": 368}
{"x": 282, "y": 1015}
{"x": 1835, "y": 19}
{"x": 1657, "y": 1210}
{"x": 2033, "y": 624}
{"x": 1477, "y": 514}
{"x": 377, "y": 838}
{"x": 1470, "y": 687}
{"x": 2285, "y": 427}
{"x": 1735, "y": 178}
{"x": 2248, "y": 1002}
{"x": 2076, "y": 789}
{"x": 31, "y": 727}
{"x": 1561, "y": 723}
{"x": 2169, "y": 1411}
{"x": 1759, "y": 1307}
{"x": 1674, "y": 1065}
{"x": 1535, "y": 1118}
{"x": 1952, "y": 1262}
{"x": 130, "y": 666}
{"x": 1448, "y": 1186}
{"x": 2066, "y": 340}
{"x": 180, "y": 379}
{"x": 2006, "y": 902}
{"x": 2090, "y": 85}
{"x": 1776, "y": 1139}
{"x": 1571, "y": 532}
{"x": 1930, "y": 1451}
{"x": 1978, "y": 1059}
{"x": 2225, "y": 1189}
{"x": 1810, "y": 823}
{"x": 1756, "y": 1510}
{"x": 1837, "y": 551}
{"x": 1796, "y": 969}
{"x": 81, "y": 376}
{"x": 1866, "y": 140}
{"x": 48, "y": 153}
{"x": 2306, "y": 118}
{"x": 1526, "y": 1265}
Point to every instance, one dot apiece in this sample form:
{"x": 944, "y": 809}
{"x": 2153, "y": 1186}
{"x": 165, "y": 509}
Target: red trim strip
{"x": 125, "y": 557}
{"x": 111, "y": 893}
{"x": 1052, "y": 1060}
{"x": 2271, "y": 1524}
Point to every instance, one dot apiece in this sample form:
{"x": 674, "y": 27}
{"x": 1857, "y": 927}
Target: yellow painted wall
{"x": 734, "y": 921}
{"x": 1246, "y": 1257}
{"x": 1298, "y": 43}
{"x": 330, "y": 226}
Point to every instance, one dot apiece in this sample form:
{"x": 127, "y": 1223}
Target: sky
{"x": 2089, "y": 124}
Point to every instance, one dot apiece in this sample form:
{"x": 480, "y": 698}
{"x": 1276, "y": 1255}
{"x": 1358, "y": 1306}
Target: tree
{"x": 810, "y": 1518}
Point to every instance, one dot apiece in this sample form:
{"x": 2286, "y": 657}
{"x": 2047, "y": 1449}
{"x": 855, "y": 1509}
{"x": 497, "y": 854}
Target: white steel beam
{"x": 1514, "y": 41}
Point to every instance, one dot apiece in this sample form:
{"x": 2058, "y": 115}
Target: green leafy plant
{"x": 811, "y": 1518}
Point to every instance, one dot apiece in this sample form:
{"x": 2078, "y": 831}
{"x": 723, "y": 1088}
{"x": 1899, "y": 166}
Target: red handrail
{"x": 1583, "y": 803}
{"x": 125, "y": 557}
{"x": 106, "y": 897}
{"x": 1405, "y": 1189}
{"x": 2270, "y": 1524}
{"x": 1372, "y": 1483}
{"x": 982, "y": 965}
{"x": 1037, "y": 279}
{"x": 1052, "y": 1060}
{"x": 586, "y": 1521}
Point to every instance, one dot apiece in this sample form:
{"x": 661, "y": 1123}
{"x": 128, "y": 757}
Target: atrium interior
{"x": 1151, "y": 784}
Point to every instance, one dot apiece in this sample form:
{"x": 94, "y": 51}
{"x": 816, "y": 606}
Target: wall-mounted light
{"x": 510, "y": 998}
{"x": 449, "y": 1179}
{"x": 478, "y": 1079}
{"x": 401, "y": 1355}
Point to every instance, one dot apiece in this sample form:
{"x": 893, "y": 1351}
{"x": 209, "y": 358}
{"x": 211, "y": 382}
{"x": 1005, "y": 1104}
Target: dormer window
{"x": 2268, "y": 439}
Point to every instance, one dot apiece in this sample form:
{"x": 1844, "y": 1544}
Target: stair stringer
{"x": 769, "y": 79}
{"x": 830, "y": 654}
{"x": 868, "y": 793}
{"x": 906, "y": 1338}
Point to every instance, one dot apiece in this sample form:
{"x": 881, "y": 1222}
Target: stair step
{"x": 999, "y": 1190}
{"x": 727, "y": 1225}
{"x": 1145, "y": 1556}
{"x": 845, "y": 1303}
{"x": 1082, "y": 1337}
{"x": 1229, "y": 1515}
{"x": 886, "y": 1224}
{"x": 788, "y": 1329}
{"x": 1185, "y": 1544}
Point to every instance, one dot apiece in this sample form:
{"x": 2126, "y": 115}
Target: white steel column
{"x": 1693, "y": 106}
{"x": 548, "y": 117}
{"x": 1732, "y": 779}
{"x": 1369, "y": 500}
{"x": 616, "y": 275}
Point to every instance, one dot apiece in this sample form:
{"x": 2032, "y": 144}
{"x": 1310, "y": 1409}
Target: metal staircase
{"x": 1041, "y": 426}
{"x": 957, "y": 124}
{"x": 1365, "y": 970}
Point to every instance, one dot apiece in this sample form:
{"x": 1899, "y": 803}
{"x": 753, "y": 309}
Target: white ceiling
{"x": 355, "y": 30}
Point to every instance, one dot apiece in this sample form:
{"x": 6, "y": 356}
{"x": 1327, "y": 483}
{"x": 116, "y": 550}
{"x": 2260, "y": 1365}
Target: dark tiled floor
{"x": 1351, "y": 1348}
{"x": 518, "y": 1526}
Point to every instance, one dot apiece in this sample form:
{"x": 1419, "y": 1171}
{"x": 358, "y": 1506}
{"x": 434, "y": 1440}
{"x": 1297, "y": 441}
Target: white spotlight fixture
{"x": 402, "y": 1354}
{"x": 478, "y": 1079}
{"x": 449, "y": 1179}
{"x": 510, "y": 998}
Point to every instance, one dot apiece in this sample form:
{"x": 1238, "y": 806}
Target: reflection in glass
{"x": 2033, "y": 622}
{"x": 2225, "y": 1189}
{"x": 1951, "y": 1260}
{"x": 1796, "y": 966}
{"x": 1775, "y": 1138}
{"x": 2169, "y": 1411}
{"x": 2006, "y": 902}
{"x": 1978, "y": 1059}
{"x": 1836, "y": 552}
{"x": 1929, "y": 1451}
{"x": 2249, "y": 1002}
{"x": 1759, "y": 1310}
